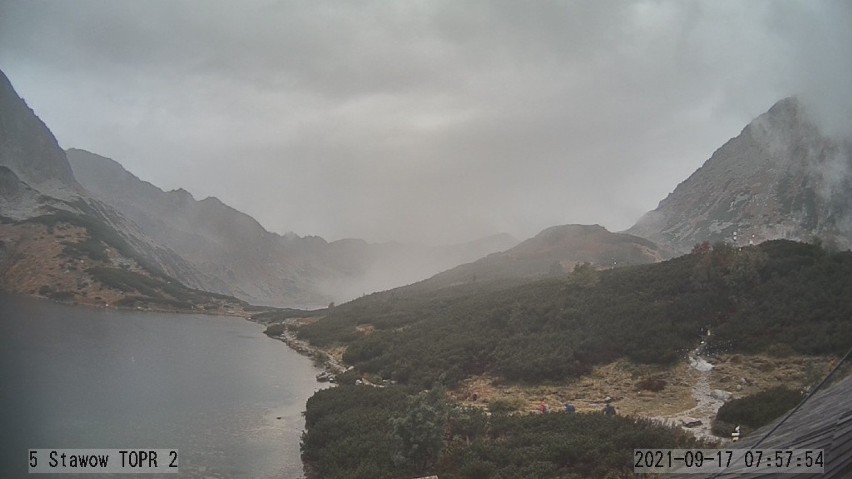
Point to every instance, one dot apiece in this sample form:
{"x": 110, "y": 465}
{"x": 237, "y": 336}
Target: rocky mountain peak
{"x": 781, "y": 177}
{"x": 182, "y": 194}
{"x": 28, "y": 148}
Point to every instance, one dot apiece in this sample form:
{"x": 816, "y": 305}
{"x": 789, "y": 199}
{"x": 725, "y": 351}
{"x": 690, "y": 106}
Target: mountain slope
{"x": 554, "y": 251}
{"x": 230, "y": 252}
{"x": 780, "y": 178}
{"x": 57, "y": 241}
{"x": 34, "y": 156}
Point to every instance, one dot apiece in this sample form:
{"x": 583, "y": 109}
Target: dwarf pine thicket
{"x": 780, "y": 297}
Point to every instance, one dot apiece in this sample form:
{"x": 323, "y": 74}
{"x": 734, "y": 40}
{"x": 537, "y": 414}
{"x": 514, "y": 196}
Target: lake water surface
{"x": 212, "y": 387}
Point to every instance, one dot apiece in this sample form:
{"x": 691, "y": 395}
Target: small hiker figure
{"x": 543, "y": 407}
{"x": 569, "y": 408}
{"x": 609, "y": 409}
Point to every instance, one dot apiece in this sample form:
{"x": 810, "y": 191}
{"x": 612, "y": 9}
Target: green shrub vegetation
{"x": 756, "y": 410}
{"x": 781, "y": 295}
{"x": 364, "y": 432}
{"x": 652, "y": 384}
{"x": 348, "y": 431}
{"x": 125, "y": 280}
{"x": 100, "y": 234}
{"x": 275, "y": 329}
{"x": 89, "y": 247}
{"x": 153, "y": 290}
{"x": 61, "y": 295}
{"x": 504, "y": 406}
{"x": 280, "y": 314}
{"x": 98, "y": 230}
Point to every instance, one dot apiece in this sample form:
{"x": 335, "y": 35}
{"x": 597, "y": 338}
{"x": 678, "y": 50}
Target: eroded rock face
{"x": 28, "y": 148}
{"x": 37, "y": 183}
{"x": 35, "y": 176}
{"x": 780, "y": 178}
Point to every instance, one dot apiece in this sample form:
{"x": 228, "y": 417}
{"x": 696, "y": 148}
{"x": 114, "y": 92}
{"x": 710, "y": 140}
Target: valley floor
{"x": 694, "y": 389}
{"x": 687, "y": 393}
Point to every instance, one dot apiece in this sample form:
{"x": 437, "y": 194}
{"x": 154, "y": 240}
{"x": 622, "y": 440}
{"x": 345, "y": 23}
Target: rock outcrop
{"x": 29, "y": 149}
{"x": 781, "y": 178}
{"x": 58, "y": 241}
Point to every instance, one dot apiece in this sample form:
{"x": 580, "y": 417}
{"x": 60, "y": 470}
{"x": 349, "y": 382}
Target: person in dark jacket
{"x": 609, "y": 409}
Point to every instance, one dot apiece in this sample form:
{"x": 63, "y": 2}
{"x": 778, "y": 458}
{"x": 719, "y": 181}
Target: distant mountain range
{"x": 36, "y": 179}
{"x": 781, "y": 178}
{"x": 232, "y": 253}
{"x": 57, "y": 241}
{"x": 201, "y": 244}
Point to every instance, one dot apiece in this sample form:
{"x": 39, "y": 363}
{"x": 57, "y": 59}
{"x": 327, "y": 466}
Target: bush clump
{"x": 651, "y": 384}
{"x": 61, "y": 295}
{"x": 756, "y": 410}
{"x": 275, "y": 329}
{"x": 364, "y": 432}
{"x": 503, "y": 406}
{"x": 94, "y": 249}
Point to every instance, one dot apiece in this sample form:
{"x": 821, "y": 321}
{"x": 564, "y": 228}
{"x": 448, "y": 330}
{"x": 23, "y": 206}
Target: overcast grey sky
{"x": 436, "y": 121}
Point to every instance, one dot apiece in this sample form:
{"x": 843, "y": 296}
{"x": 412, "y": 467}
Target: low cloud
{"x": 430, "y": 121}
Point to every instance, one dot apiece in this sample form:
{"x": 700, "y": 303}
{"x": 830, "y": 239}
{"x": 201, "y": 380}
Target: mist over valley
{"x": 515, "y": 240}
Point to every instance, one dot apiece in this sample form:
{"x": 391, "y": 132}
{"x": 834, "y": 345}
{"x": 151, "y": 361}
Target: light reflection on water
{"x": 212, "y": 387}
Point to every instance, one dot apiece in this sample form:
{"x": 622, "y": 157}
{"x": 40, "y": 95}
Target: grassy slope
{"x": 778, "y": 297}
{"x": 78, "y": 257}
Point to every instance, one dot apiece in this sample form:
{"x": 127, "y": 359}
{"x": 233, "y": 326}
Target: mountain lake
{"x": 215, "y": 388}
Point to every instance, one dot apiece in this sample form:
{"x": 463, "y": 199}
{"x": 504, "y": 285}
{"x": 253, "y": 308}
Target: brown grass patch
{"x": 625, "y": 382}
{"x": 617, "y": 380}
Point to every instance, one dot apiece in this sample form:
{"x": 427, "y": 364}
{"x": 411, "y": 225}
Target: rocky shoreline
{"x": 283, "y": 332}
